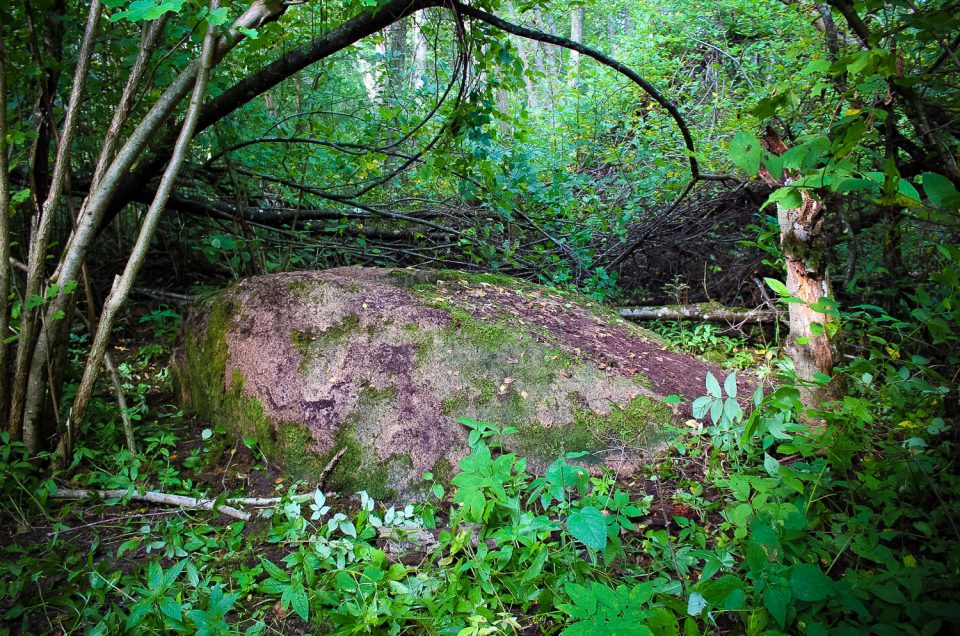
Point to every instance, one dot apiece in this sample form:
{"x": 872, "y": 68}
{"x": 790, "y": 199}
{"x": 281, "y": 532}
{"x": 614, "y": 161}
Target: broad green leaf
{"x": 776, "y": 599}
{"x": 584, "y": 602}
{"x": 299, "y": 600}
{"x": 730, "y": 385}
{"x": 940, "y": 190}
{"x": 589, "y": 527}
{"x": 771, "y": 465}
{"x": 696, "y": 604}
{"x": 701, "y": 406}
{"x": 809, "y": 583}
{"x": 725, "y": 592}
{"x": 746, "y": 152}
{"x": 713, "y": 386}
{"x": 777, "y": 286}
{"x": 787, "y": 198}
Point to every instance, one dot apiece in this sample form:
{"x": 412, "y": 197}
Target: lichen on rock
{"x": 382, "y": 363}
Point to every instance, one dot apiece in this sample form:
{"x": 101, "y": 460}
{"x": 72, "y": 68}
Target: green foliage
{"x": 749, "y": 522}
{"x": 841, "y": 529}
{"x": 733, "y": 351}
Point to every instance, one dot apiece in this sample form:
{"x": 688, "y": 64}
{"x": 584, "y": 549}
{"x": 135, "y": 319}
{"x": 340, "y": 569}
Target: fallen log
{"x": 706, "y": 312}
{"x": 160, "y": 498}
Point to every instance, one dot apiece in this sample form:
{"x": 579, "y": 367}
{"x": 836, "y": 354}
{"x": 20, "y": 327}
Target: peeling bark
{"x": 803, "y": 241}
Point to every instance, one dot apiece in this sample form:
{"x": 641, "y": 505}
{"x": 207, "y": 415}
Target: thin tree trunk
{"x": 804, "y": 250}
{"x": 398, "y": 50}
{"x": 41, "y": 236}
{"x": 576, "y": 34}
{"x": 123, "y": 284}
{"x": 97, "y": 202}
{"x": 552, "y": 68}
{"x": 148, "y": 42}
{"x": 5, "y": 271}
{"x": 46, "y": 43}
{"x": 419, "y": 50}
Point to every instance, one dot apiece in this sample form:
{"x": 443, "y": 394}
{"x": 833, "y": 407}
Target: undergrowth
{"x": 748, "y": 523}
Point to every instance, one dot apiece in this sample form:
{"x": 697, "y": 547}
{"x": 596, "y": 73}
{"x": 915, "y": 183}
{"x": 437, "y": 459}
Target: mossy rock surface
{"x": 382, "y": 363}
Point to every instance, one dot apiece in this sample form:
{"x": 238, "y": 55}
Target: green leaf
{"x": 299, "y": 600}
{"x": 746, "y": 152}
{"x": 146, "y": 9}
{"x": 777, "y": 286}
{"x": 776, "y": 599}
{"x": 672, "y": 399}
{"x": 771, "y": 465}
{"x": 218, "y": 16}
{"x": 713, "y": 386}
{"x": 34, "y": 301}
{"x": 274, "y": 570}
{"x": 725, "y": 592}
{"x": 730, "y": 385}
{"x": 809, "y": 583}
{"x": 890, "y": 594}
{"x": 696, "y": 604}
{"x": 786, "y": 198}
{"x": 589, "y": 527}
{"x": 940, "y": 190}
{"x": 701, "y": 406}
{"x": 585, "y": 603}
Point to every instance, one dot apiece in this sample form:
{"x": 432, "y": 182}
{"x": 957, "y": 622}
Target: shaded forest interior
{"x": 769, "y": 188}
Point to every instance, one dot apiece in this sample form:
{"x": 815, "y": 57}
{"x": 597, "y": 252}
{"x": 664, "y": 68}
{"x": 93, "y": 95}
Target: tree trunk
{"x": 40, "y": 236}
{"x": 576, "y": 34}
{"x": 803, "y": 241}
{"x": 123, "y": 284}
{"x": 419, "y": 50}
{"x": 4, "y": 241}
{"x": 398, "y": 51}
{"x": 30, "y": 398}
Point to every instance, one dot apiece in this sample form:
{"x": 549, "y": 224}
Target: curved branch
{"x": 353, "y": 30}
{"x": 621, "y": 68}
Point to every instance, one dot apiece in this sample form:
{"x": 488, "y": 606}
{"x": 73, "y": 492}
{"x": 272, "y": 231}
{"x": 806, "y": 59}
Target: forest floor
{"x": 53, "y": 552}
{"x": 739, "y": 525}
{"x": 74, "y": 541}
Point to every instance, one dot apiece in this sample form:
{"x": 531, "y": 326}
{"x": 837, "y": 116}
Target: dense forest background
{"x": 792, "y": 157}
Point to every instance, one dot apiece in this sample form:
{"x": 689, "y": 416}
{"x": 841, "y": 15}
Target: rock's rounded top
{"x": 384, "y": 362}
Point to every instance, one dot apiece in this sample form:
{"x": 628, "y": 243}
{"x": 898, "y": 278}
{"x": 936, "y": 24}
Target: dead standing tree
{"x": 804, "y": 246}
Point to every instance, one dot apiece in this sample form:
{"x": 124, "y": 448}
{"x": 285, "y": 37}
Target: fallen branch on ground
{"x": 194, "y": 502}
{"x": 155, "y": 498}
{"x": 698, "y": 312}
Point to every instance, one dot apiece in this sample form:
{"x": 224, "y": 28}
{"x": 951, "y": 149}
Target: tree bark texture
{"x": 803, "y": 242}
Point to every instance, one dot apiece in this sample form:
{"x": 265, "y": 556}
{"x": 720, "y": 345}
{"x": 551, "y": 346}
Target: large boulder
{"x": 382, "y": 363}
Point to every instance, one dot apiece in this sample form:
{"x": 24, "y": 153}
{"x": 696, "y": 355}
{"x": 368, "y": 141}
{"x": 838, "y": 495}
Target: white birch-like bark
{"x": 123, "y": 284}
{"x": 40, "y": 234}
